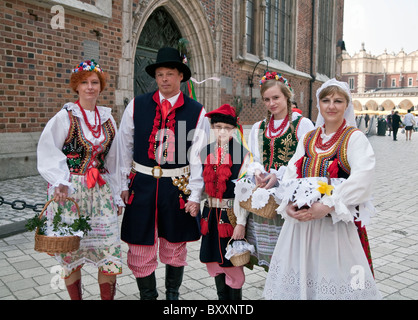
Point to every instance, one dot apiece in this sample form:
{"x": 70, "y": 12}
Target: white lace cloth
{"x": 260, "y": 197}
{"x": 237, "y": 247}
{"x": 304, "y": 191}
{"x": 62, "y": 232}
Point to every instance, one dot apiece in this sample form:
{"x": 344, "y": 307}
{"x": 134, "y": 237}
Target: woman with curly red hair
{"x": 77, "y": 155}
{"x": 79, "y": 75}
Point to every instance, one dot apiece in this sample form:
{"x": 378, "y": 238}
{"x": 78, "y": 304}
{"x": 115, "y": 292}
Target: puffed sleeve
{"x": 125, "y": 145}
{"x": 358, "y": 187}
{"x": 200, "y": 140}
{"x": 255, "y": 150}
{"x": 52, "y": 162}
{"x": 240, "y": 212}
{"x": 304, "y": 127}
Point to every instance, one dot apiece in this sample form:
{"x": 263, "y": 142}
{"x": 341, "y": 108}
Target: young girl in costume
{"x": 77, "y": 155}
{"x": 322, "y": 251}
{"x": 223, "y": 161}
{"x": 272, "y": 142}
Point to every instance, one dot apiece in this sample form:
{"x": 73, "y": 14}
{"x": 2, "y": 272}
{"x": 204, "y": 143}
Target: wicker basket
{"x": 53, "y": 245}
{"x": 268, "y": 211}
{"x": 240, "y": 259}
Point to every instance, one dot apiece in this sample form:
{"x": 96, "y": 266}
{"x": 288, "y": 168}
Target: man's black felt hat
{"x": 169, "y": 58}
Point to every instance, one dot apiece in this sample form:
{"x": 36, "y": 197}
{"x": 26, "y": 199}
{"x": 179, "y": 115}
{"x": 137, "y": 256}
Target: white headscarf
{"x": 349, "y": 112}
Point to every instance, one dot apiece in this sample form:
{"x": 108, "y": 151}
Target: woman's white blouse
{"x": 52, "y": 162}
{"x": 408, "y": 120}
{"x": 305, "y": 126}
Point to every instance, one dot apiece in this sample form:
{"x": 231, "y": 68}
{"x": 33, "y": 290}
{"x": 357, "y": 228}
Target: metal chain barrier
{"x": 21, "y": 205}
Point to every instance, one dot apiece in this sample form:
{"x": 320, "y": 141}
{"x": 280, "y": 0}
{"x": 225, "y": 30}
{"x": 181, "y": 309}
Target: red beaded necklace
{"x": 330, "y": 142}
{"x": 96, "y": 129}
{"x": 280, "y": 129}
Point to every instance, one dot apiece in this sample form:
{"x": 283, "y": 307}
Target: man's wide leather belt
{"x": 157, "y": 172}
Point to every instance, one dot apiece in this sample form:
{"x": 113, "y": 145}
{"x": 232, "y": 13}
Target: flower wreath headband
{"x": 89, "y": 65}
{"x": 275, "y": 76}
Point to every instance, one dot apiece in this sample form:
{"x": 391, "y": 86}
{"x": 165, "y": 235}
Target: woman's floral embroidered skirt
{"x": 101, "y": 247}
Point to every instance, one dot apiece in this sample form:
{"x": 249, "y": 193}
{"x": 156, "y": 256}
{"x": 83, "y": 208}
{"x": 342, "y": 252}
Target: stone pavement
{"x": 26, "y": 274}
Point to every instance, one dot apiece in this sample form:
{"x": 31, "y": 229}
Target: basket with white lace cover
{"x": 305, "y": 191}
{"x": 239, "y": 252}
{"x": 260, "y": 201}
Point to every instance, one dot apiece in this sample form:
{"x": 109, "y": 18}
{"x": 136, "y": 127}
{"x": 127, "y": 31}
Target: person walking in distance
{"x": 409, "y": 123}
{"x": 396, "y": 123}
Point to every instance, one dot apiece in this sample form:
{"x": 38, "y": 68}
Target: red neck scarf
{"x": 216, "y": 172}
{"x": 165, "y": 121}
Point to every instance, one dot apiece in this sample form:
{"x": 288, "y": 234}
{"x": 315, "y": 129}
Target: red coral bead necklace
{"x": 325, "y": 146}
{"x": 280, "y": 129}
{"x": 96, "y": 129}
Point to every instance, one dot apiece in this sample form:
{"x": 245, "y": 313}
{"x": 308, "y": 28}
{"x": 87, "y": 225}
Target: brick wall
{"x": 36, "y": 61}
{"x": 302, "y": 62}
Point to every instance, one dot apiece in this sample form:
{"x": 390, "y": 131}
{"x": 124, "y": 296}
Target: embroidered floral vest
{"x": 81, "y": 153}
{"x": 332, "y": 163}
{"x": 277, "y": 152}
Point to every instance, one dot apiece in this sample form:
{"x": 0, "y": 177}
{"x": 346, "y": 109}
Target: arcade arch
{"x": 406, "y": 104}
{"x": 371, "y": 105}
{"x": 357, "y": 105}
{"x": 388, "y": 105}
{"x": 384, "y": 103}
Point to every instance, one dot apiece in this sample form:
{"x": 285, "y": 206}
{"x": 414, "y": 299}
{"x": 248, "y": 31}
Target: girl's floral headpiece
{"x": 275, "y": 76}
{"x": 89, "y": 65}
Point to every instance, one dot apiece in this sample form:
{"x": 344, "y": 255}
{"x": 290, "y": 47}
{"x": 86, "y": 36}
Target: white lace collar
{"x": 104, "y": 112}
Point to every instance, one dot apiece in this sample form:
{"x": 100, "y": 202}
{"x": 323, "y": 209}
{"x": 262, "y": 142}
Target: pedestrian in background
{"x": 389, "y": 121}
{"x": 396, "y": 123}
{"x": 409, "y": 123}
{"x": 366, "y": 120}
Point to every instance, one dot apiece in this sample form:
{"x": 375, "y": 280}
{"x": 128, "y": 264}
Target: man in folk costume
{"x": 157, "y": 131}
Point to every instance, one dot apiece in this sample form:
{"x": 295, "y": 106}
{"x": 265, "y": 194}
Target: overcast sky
{"x": 381, "y": 24}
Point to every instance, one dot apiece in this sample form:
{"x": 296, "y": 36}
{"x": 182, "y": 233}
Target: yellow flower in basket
{"x": 325, "y": 188}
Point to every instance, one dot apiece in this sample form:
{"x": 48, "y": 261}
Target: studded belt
{"x": 157, "y": 172}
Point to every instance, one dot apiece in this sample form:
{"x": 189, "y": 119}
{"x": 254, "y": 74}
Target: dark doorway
{"x": 159, "y": 31}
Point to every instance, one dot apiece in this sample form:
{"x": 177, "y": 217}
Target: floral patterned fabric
{"x": 101, "y": 246}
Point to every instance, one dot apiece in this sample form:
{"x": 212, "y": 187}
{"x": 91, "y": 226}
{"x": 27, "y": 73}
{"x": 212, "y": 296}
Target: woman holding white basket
{"x": 273, "y": 142}
{"x": 322, "y": 251}
{"x": 77, "y": 155}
